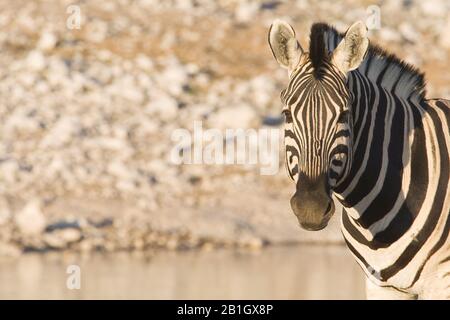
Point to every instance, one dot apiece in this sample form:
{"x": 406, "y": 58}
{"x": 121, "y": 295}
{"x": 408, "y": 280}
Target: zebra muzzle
{"x": 312, "y": 211}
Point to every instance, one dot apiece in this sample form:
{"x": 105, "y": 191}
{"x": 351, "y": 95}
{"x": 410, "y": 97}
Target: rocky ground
{"x": 87, "y": 117}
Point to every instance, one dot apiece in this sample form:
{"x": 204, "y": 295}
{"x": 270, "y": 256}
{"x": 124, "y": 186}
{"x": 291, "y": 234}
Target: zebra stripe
{"x": 385, "y": 149}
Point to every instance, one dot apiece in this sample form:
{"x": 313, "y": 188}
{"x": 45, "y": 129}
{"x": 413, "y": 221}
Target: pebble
{"x": 163, "y": 106}
{"x": 246, "y": 10}
{"x": 5, "y": 212}
{"x": 408, "y": 32}
{"x": 60, "y": 238}
{"x": 434, "y": 8}
{"x": 241, "y": 116}
{"x": 36, "y": 60}
{"x": 47, "y": 41}
{"x": 444, "y": 38}
{"x": 30, "y": 220}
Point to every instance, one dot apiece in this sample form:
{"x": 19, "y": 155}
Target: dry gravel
{"x": 87, "y": 117}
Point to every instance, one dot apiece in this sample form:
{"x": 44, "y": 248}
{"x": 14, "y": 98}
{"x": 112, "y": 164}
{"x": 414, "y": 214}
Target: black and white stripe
{"x": 385, "y": 149}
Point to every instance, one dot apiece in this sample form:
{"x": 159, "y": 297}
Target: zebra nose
{"x": 312, "y": 205}
{"x": 312, "y": 214}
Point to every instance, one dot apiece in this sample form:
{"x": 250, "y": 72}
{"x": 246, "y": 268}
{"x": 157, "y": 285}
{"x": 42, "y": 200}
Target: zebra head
{"x": 318, "y": 126}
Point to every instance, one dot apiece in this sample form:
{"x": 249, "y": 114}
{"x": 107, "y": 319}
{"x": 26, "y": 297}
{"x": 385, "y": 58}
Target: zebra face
{"x": 317, "y": 140}
{"x": 318, "y": 126}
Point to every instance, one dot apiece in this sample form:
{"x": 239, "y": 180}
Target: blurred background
{"x": 90, "y": 94}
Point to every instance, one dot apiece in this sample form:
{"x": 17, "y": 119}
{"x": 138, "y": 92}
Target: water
{"x": 292, "y": 272}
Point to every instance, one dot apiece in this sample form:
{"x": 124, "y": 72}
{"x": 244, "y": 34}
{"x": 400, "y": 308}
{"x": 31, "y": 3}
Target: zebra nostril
{"x": 330, "y": 209}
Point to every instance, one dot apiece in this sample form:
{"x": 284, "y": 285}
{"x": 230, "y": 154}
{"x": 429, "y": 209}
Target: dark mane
{"x": 318, "y": 52}
{"x": 391, "y": 72}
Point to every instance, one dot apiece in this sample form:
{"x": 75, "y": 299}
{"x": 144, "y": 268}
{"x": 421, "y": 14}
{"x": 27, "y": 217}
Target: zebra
{"x": 360, "y": 131}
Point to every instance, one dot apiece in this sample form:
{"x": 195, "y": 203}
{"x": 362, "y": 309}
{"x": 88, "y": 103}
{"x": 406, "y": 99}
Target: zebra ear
{"x": 352, "y": 49}
{"x": 284, "y": 45}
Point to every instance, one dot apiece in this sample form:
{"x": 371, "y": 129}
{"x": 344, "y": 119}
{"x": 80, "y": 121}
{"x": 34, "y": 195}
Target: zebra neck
{"x": 372, "y": 191}
{"x": 395, "y": 191}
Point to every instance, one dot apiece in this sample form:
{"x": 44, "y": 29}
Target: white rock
{"x": 389, "y": 35}
{"x": 47, "y": 41}
{"x": 70, "y": 234}
{"x": 245, "y": 11}
{"x": 147, "y": 127}
{"x": 5, "y": 211}
{"x": 202, "y": 79}
{"x": 120, "y": 170}
{"x": 133, "y": 94}
{"x": 35, "y": 60}
{"x": 392, "y": 6}
{"x": 30, "y": 220}
{"x": 9, "y": 171}
{"x": 409, "y": 32}
{"x": 19, "y": 124}
{"x": 62, "y": 132}
{"x": 168, "y": 40}
{"x": 96, "y": 31}
{"x": 434, "y": 8}
{"x": 53, "y": 241}
{"x": 104, "y": 55}
{"x": 185, "y": 4}
{"x": 414, "y": 59}
{"x": 126, "y": 186}
{"x": 157, "y": 165}
{"x": 108, "y": 143}
{"x": 163, "y": 106}
{"x": 198, "y": 111}
{"x": 173, "y": 78}
{"x": 61, "y": 238}
{"x": 144, "y": 62}
{"x": 444, "y": 38}
{"x": 27, "y": 79}
{"x": 263, "y": 90}
{"x": 234, "y": 117}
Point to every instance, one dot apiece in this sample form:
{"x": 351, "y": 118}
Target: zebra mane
{"x": 318, "y": 53}
{"x": 379, "y": 66}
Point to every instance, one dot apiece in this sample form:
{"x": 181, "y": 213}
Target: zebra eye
{"x": 287, "y": 115}
{"x": 343, "y": 117}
